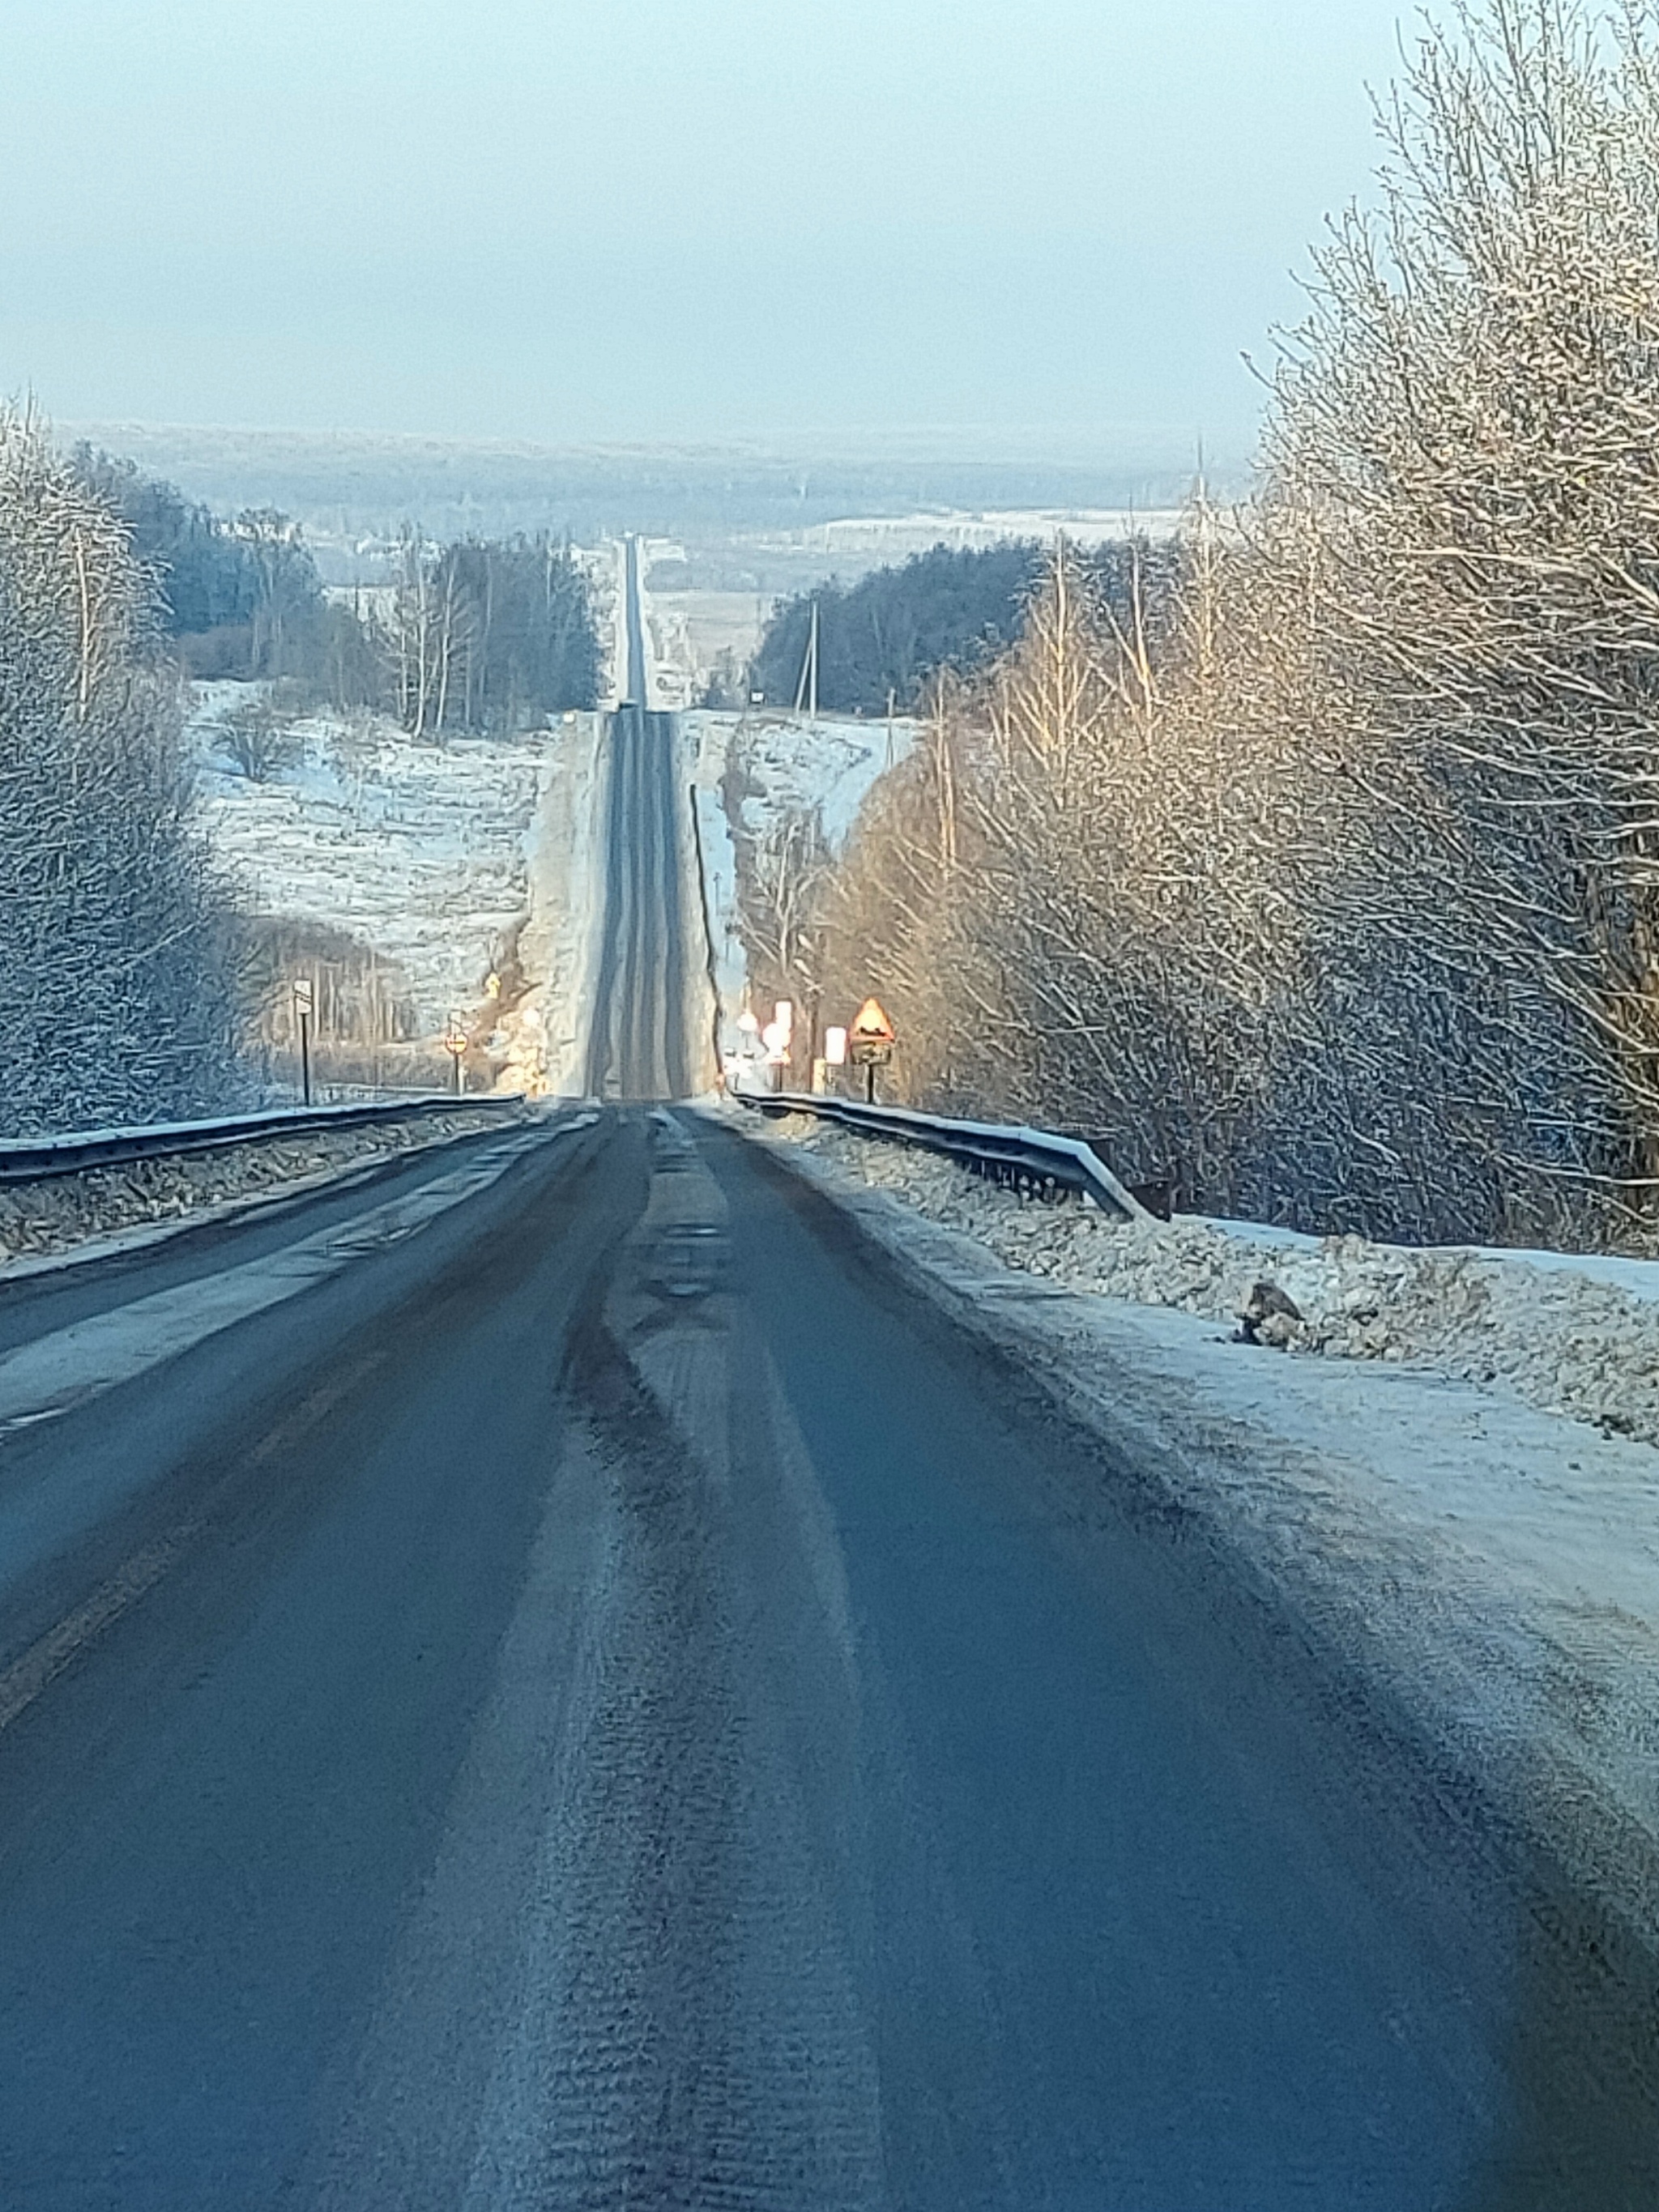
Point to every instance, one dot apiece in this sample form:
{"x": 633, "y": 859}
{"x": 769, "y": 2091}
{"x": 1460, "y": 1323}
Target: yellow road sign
{"x": 870, "y": 1025}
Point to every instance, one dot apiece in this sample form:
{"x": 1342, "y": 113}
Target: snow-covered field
{"x": 860, "y": 542}
{"x": 1492, "y": 1566}
{"x": 419, "y": 849}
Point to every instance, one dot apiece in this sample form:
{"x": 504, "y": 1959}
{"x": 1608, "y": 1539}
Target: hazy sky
{"x": 670, "y": 218}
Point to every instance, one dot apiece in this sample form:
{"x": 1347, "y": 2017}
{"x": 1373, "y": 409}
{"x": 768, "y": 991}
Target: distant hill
{"x": 345, "y": 485}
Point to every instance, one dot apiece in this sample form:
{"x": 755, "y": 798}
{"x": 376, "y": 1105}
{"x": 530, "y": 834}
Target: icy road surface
{"x": 612, "y": 1700}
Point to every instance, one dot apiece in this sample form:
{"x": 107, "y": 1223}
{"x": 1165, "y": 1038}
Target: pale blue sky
{"x": 678, "y": 218}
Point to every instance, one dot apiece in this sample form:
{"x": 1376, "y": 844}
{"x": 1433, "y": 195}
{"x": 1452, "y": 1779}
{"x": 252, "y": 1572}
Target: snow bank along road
{"x": 557, "y": 1678}
{"x": 643, "y": 1036}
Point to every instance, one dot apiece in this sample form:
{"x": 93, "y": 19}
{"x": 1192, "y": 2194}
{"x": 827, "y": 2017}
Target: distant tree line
{"x": 490, "y": 636}
{"x": 884, "y": 640}
{"x": 881, "y": 639}
{"x": 239, "y": 597}
{"x": 483, "y": 636}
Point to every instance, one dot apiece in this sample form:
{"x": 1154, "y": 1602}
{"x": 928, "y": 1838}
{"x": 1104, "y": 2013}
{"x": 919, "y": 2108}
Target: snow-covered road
{"x": 651, "y": 1025}
{"x": 621, "y": 1697}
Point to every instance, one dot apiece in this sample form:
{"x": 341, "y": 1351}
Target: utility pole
{"x": 808, "y": 686}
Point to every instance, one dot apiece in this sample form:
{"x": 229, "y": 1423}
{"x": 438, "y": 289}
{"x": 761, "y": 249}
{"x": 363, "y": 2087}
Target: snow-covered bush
{"x": 118, "y": 951}
{"x": 1322, "y": 871}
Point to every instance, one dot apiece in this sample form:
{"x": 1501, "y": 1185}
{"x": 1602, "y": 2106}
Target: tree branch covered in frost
{"x": 1324, "y": 869}
{"x": 118, "y": 998}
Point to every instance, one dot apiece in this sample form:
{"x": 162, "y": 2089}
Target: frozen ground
{"x": 1496, "y": 1564}
{"x": 421, "y": 850}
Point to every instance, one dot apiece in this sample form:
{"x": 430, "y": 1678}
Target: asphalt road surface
{"x": 641, "y": 1036}
{"x": 600, "y": 1698}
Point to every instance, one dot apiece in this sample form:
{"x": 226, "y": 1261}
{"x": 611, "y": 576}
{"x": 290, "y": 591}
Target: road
{"x": 603, "y": 1698}
{"x": 644, "y": 1040}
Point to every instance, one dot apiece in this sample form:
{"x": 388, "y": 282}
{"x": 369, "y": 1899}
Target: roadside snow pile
{"x": 1576, "y": 1338}
{"x": 418, "y": 850}
{"x": 55, "y": 1215}
{"x": 543, "y": 1036}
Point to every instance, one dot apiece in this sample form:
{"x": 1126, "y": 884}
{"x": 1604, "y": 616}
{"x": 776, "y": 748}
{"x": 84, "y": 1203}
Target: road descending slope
{"x": 603, "y": 1699}
{"x": 643, "y": 1040}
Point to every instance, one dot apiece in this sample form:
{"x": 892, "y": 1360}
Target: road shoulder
{"x": 1491, "y": 1572}
{"x": 107, "y": 1213}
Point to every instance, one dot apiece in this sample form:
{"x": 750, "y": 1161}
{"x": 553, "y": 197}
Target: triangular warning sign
{"x": 871, "y": 1026}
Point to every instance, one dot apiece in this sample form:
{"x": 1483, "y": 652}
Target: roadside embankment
{"x": 1487, "y": 1566}
{"x": 65, "y": 1213}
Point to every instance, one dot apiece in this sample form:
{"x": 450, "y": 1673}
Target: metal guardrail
{"x": 1034, "y": 1160}
{"x": 30, "y": 1159}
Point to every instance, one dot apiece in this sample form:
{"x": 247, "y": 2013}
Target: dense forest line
{"x": 882, "y": 638}
{"x": 884, "y": 641}
{"x": 480, "y": 636}
{"x": 1326, "y": 884}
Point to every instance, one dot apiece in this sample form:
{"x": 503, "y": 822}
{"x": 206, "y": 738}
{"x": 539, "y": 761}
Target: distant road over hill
{"x": 649, "y": 1034}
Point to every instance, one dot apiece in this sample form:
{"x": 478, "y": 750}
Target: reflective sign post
{"x": 455, "y": 1046}
{"x": 870, "y": 1040}
{"x": 305, "y": 1001}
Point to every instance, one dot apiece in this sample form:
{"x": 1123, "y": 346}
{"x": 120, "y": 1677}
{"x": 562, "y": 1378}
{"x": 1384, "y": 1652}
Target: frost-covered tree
{"x": 117, "y": 996}
{"x": 1336, "y": 881}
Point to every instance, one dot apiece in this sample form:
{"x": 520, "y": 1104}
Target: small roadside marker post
{"x": 305, "y": 1001}
{"x": 454, "y": 1043}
